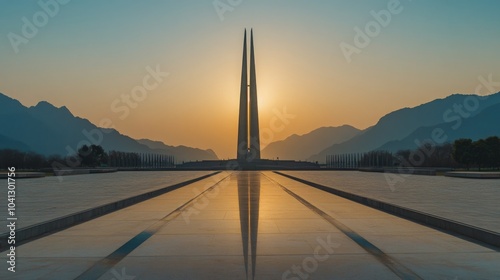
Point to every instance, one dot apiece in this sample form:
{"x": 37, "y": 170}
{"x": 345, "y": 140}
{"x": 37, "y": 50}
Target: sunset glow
{"x": 89, "y": 55}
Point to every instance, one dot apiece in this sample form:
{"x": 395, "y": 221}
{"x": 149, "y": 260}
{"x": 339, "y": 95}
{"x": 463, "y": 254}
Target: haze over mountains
{"x": 49, "y": 130}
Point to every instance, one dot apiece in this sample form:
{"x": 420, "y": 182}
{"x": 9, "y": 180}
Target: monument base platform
{"x": 262, "y": 164}
{"x": 473, "y": 175}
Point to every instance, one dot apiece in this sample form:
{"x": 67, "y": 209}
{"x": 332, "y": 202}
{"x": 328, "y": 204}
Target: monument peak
{"x": 248, "y": 148}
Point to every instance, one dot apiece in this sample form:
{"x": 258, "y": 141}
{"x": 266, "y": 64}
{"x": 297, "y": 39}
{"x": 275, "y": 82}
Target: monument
{"x": 248, "y": 148}
{"x": 248, "y": 155}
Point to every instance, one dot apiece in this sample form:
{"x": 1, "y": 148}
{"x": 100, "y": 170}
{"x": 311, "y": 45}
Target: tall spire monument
{"x": 248, "y": 155}
{"x": 248, "y": 147}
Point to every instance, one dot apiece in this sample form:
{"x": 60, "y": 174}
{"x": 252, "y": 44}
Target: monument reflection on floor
{"x": 248, "y": 201}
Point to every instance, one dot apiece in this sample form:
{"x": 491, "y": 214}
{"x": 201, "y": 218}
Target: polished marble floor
{"x": 252, "y": 225}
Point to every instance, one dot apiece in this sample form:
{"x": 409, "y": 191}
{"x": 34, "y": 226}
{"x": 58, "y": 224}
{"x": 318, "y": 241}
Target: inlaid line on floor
{"x": 399, "y": 269}
{"x": 107, "y": 263}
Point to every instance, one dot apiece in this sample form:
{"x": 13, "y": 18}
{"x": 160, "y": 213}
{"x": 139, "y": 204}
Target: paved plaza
{"x": 470, "y": 201}
{"x": 252, "y": 225}
{"x": 43, "y": 199}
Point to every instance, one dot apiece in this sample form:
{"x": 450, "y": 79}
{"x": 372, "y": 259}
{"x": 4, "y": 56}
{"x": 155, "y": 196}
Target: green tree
{"x": 92, "y": 156}
{"x": 480, "y": 153}
{"x": 463, "y": 152}
{"x": 493, "y": 157}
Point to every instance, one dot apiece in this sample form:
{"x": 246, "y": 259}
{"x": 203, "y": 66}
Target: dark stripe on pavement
{"x": 400, "y": 270}
{"x": 105, "y": 264}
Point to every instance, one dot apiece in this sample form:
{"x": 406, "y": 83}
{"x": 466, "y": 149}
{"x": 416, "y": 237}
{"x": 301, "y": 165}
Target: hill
{"x": 399, "y": 124}
{"x": 49, "y": 130}
{"x": 301, "y": 147}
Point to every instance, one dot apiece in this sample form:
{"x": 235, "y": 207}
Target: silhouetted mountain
{"x": 49, "y": 130}
{"x": 301, "y": 147}
{"x": 19, "y": 124}
{"x": 10, "y": 106}
{"x": 181, "y": 153}
{"x": 481, "y": 126}
{"x": 401, "y": 123}
{"x": 9, "y": 143}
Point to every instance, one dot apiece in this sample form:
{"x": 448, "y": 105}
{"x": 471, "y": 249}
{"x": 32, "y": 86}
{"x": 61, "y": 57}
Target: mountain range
{"x": 49, "y": 130}
{"x": 458, "y": 116}
{"x": 479, "y": 126}
{"x": 301, "y": 147}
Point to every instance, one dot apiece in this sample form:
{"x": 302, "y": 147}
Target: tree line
{"x": 26, "y": 160}
{"x": 86, "y": 156}
{"x": 428, "y": 155}
{"x": 356, "y": 160}
{"x": 462, "y": 153}
{"x": 483, "y": 153}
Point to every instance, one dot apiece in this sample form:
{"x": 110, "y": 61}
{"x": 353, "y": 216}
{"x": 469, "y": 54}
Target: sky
{"x": 170, "y": 70}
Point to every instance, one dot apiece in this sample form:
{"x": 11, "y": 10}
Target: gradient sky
{"x": 92, "y": 52}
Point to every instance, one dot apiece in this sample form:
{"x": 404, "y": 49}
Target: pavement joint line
{"x": 479, "y": 236}
{"x": 107, "y": 263}
{"x": 397, "y": 268}
{"x": 36, "y": 231}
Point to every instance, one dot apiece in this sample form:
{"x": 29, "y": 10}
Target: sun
{"x": 264, "y": 98}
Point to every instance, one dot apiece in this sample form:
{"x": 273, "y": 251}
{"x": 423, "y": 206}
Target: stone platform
{"x": 252, "y": 225}
{"x": 473, "y": 175}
